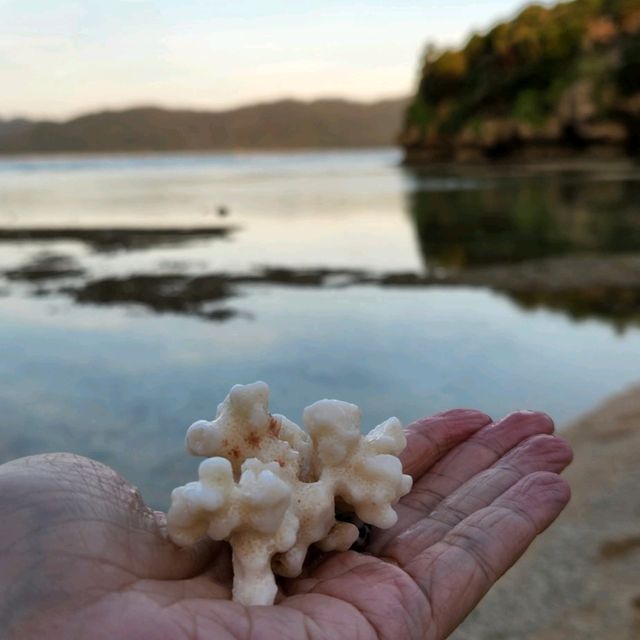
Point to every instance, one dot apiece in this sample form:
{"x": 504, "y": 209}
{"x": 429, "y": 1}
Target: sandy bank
{"x": 581, "y": 579}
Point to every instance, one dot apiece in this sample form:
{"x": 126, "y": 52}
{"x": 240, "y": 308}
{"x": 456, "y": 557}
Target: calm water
{"x": 121, "y": 382}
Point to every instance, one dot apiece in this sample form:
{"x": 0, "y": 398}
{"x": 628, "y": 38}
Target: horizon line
{"x": 133, "y": 106}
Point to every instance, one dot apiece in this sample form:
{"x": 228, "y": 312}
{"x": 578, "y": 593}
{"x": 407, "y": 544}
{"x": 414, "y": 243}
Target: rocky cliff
{"x": 553, "y": 82}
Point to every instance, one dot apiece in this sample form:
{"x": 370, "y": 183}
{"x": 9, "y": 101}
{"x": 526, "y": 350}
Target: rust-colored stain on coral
{"x": 274, "y": 425}
{"x": 253, "y": 440}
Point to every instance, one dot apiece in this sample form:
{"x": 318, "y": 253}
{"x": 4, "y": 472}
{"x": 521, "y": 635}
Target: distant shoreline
{"x": 576, "y": 162}
{"x": 526, "y": 156}
{"x": 503, "y": 166}
{"x": 240, "y": 151}
{"x": 285, "y": 124}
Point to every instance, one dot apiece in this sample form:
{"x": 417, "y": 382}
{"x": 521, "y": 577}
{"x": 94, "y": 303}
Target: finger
{"x": 83, "y": 506}
{"x": 538, "y": 453}
{"x": 430, "y": 438}
{"x": 473, "y": 455}
{"x": 475, "y": 553}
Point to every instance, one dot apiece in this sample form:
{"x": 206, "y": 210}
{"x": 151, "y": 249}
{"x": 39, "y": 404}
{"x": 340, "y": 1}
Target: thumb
{"x": 81, "y": 504}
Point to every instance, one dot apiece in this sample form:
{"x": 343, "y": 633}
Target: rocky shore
{"x": 580, "y": 578}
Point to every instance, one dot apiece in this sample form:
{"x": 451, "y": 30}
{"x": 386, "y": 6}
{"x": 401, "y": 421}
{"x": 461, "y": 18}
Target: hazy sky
{"x": 61, "y": 57}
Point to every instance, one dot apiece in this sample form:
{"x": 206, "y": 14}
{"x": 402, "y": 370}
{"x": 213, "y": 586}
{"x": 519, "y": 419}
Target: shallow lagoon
{"x": 121, "y": 382}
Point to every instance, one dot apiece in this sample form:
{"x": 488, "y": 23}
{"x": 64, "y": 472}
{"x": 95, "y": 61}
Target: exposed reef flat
{"x": 582, "y": 286}
{"x": 46, "y": 266}
{"x": 116, "y": 238}
{"x": 161, "y": 293}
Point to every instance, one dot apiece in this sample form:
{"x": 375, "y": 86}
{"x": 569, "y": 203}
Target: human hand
{"x": 83, "y": 557}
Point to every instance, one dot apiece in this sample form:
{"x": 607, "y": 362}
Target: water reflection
{"x": 514, "y": 219}
{"x": 615, "y": 304}
{"x": 564, "y": 240}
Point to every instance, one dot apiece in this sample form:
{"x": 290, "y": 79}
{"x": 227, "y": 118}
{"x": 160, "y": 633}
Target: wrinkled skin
{"x": 82, "y": 557}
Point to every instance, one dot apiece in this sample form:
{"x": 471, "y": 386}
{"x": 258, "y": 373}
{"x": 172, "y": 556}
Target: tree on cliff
{"x": 566, "y": 76}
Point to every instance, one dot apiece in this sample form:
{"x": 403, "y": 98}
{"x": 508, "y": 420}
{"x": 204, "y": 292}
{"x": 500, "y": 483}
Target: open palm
{"x": 82, "y": 557}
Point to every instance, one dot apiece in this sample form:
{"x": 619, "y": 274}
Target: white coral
{"x": 269, "y": 488}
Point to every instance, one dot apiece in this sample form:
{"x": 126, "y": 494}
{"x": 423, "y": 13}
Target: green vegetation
{"x": 562, "y": 75}
{"x": 500, "y": 220}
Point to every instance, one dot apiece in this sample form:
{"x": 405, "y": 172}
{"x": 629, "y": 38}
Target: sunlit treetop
{"x": 521, "y": 69}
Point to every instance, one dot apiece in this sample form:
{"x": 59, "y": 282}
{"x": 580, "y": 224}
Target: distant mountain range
{"x": 285, "y": 124}
{"x": 14, "y": 127}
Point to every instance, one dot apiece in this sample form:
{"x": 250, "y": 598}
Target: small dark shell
{"x": 364, "y": 529}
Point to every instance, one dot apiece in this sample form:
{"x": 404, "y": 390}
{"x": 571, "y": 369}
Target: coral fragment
{"x": 270, "y": 488}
